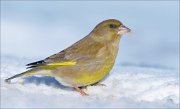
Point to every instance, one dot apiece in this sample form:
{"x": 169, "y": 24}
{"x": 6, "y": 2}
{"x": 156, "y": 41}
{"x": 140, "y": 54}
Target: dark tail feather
{"x": 8, "y": 80}
{"x": 36, "y": 63}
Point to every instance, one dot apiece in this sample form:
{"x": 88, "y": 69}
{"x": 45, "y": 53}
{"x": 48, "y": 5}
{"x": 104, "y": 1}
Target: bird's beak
{"x": 123, "y": 29}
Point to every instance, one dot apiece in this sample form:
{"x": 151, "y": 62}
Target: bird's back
{"x": 84, "y": 50}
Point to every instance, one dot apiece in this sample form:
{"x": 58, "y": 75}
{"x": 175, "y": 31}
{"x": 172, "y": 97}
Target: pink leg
{"x": 79, "y": 90}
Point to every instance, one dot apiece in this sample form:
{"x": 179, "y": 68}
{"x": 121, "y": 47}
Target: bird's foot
{"x": 83, "y": 93}
{"x": 80, "y": 90}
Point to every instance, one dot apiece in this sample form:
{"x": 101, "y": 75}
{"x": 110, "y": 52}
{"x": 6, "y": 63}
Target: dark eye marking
{"x": 112, "y": 26}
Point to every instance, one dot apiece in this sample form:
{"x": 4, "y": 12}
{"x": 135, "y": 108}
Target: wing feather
{"x": 71, "y": 56}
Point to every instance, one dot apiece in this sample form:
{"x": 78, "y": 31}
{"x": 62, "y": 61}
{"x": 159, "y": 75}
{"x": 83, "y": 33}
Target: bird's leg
{"x": 79, "y": 90}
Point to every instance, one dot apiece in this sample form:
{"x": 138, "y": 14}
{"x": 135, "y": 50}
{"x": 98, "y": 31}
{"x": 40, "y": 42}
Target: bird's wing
{"x": 58, "y": 59}
{"x": 83, "y": 51}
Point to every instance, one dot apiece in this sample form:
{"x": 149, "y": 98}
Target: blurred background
{"x": 37, "y": 29}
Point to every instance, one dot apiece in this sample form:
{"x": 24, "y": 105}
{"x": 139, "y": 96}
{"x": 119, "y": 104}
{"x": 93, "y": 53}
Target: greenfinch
{"x": 84, "y": 63}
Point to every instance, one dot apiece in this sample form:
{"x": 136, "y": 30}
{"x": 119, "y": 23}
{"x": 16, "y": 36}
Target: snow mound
{"x": 126, "y": 87}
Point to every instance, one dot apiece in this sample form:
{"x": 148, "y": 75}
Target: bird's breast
{"x": 97, "y": 70}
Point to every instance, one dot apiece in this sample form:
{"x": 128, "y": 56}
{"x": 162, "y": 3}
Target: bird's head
{"x": 110, "y": 29}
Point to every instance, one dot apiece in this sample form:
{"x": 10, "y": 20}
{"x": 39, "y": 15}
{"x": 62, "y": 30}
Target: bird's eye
{"x": 112, "y": 26}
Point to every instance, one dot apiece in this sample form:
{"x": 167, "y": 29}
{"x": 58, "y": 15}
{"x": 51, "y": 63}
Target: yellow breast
{"x": 99, "y": 73}
{"x": 87, "y": 78}
{"x": 86, "y": 73}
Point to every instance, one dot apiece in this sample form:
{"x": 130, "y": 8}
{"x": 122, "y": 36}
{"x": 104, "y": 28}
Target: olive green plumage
{"x": 87, "y": 61}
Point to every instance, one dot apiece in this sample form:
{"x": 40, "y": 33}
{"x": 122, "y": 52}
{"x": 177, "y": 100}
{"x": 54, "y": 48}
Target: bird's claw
{"x": 79, "y": 90}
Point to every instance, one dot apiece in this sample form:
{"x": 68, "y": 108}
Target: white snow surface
{"x": 126, "y": 87}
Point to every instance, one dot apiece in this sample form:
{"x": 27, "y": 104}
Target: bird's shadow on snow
{"x": 46, "y": 80}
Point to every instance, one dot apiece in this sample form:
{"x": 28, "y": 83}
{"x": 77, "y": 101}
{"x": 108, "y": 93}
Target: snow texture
{"x": 146, "y": 74}
{"x": 127, "y": 86}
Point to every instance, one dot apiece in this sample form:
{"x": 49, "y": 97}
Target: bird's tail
{"x": 27, "y": 73}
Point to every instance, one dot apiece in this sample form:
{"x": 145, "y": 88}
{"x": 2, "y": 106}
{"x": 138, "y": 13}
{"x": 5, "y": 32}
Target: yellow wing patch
{"x": 57, "y": 64}
{"x": 62, "y": 64}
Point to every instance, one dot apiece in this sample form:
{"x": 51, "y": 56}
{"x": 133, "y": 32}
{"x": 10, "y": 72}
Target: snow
{"x": 146, "y": 74}
{"x": 126, "y": 87}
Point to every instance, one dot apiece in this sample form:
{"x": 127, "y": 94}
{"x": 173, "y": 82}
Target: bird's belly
{"x": 82, "y": 75}
{"x": 93, "y": 77}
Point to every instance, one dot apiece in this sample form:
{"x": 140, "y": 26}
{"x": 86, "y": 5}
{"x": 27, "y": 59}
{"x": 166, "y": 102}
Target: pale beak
{"x": 123, "y": 29}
